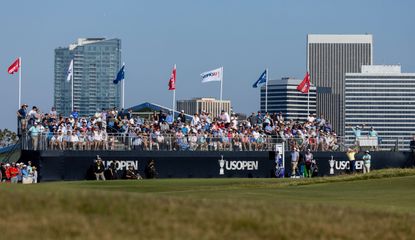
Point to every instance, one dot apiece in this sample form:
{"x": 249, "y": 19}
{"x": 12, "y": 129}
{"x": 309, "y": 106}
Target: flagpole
{"x": 174, "y": 100}
{"x": 308, "y": 102}
{"x": 221, "y": 89}
{"x": 123, "y": 87}
{"x": 72, "y": 88}
{"x": 266, "y": 92}
{"x": 123, "y": 92}
{"x": 174, "y": 90}
{"x": 20, "y": 82}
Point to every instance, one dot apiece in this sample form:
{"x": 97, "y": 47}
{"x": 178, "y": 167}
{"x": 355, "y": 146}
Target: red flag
{"x": 14, "y": 67}
{"x": 304, "y": 86}
{"x": 172, "y": 81}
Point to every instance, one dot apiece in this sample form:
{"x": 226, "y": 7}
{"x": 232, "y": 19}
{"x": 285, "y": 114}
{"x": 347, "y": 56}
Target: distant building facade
{"x": 96, "y": 62}
{"x": 383, "y": 97}
{"x": 284, "y": 97}
{"x": 329, "y": 57}
{"x": 210, "y": 105}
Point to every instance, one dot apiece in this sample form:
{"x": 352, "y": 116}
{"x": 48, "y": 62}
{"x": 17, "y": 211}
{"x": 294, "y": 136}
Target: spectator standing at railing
{"x": 34, "y": 132}
{"x": 32, "y": 115}
{"x": 372, "y": 132}
{"x": 22, "y": 118}
{"x": 357, "y": 132}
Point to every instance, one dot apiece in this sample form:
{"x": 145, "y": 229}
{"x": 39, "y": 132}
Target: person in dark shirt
{"x": 131, "y": 174}
{"x": 150, "y": 170}
{"x": 22, "y": 118}
{"x": 99, "y": 169}
{"x": 182, "y": 117}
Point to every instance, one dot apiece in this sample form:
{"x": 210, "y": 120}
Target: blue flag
{"x": 120, "y": 75}
{"x": 262, "y": 79}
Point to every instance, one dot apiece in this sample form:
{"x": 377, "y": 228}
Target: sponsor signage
{"x": 122, "y": 164}
{"x": 343, "y": 165}
{"x": 236, "y": 165}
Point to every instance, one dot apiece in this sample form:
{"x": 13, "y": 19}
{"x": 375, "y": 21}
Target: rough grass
{"x": 380, "y": 205}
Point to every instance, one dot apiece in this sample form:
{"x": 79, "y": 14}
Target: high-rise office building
{"x": 383, "y": 97}
{"x": 284, "y": 97}
{"x": 210, "y": 105}
{"x": 329, "y": 57}
{"x": 95, "y": 65}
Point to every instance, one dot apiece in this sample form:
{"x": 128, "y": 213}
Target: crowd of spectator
{"x": 7, "y": 138}
{"x": 108, "y": 129}
{"x": 18, "y": 173}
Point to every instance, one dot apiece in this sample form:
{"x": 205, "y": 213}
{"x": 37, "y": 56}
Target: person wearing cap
{"x": 13, "y": 172}
{"x": 6, "y": 173}
{"x": 357, "y": 131}
{"x": 34, "y": 174}
{"x": 132, "y": 174}
{"x": 351, "y": 156}
{"x": 366, "y": 162}
{"x": 99, "y": 168}
{"x": 182, "y": 117}
{"x": 308, "y": 159}
{"x": 22, "y": 118}
{"x": 295, "y": 157}
{"x": 372, "y": 133}
{"x": 34, "y": 134}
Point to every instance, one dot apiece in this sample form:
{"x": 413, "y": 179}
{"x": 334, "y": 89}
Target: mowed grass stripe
{"x": 344, "y": 207}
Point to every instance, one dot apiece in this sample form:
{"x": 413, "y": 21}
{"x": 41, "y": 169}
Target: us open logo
{"x": 236, "y": 165}
{"x": 122, "y": 164}
{"x": 343, "y": 165}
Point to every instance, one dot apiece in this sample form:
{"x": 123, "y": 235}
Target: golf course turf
{"x": 379, "y": 205}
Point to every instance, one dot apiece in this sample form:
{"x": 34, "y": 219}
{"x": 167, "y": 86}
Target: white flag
{"x": 214, "y": 75}
{"x": 70, "y": 71}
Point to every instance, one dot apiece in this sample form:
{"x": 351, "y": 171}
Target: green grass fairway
{"x": 380, "y": 205}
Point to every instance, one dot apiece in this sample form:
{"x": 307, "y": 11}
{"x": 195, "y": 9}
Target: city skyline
{"x": 95, "y": 63}
{"x": 244, "y": 38}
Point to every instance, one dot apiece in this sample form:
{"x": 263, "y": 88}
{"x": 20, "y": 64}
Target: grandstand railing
{"x": 168, "y": 142}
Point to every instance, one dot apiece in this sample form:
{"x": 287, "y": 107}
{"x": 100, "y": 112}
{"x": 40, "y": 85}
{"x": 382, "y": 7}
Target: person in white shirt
{"x": 97, "y": 138}
{"x": 195, "y": 120}
{"x": 74, "y": 140}
{"x": 224, "y": 116}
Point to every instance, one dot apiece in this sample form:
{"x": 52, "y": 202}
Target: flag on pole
{"x": 212, "y": 76}
{"x": 14, "y": 67}
{"x": 172, "y": 80}
{"x": 304, "y": 86}
{"x": 70, "y": 71}
{"x": 120, "y": 75}
{"x": 262, "y": 79}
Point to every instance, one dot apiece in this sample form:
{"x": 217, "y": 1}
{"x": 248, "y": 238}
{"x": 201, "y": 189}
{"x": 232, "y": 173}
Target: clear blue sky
{"x": 243, "y": 36}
